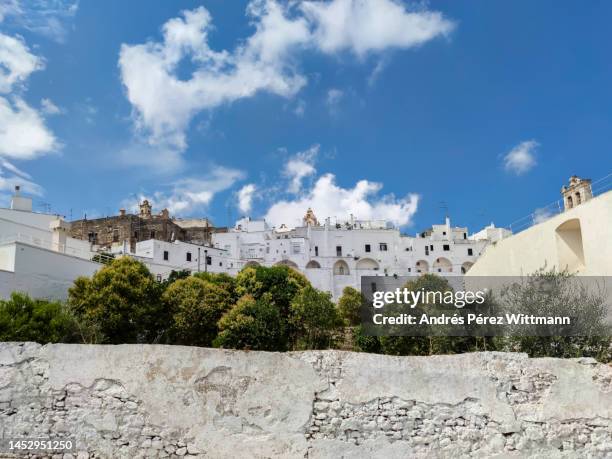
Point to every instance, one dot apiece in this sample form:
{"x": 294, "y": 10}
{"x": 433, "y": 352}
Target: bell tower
{"x": 578, "y": 191}
{"x": 310, "y": 219}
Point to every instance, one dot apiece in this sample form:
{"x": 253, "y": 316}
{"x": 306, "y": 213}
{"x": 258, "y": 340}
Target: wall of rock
{"x": 172, "y": 401}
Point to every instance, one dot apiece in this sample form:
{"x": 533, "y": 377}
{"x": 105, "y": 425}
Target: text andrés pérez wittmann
{"x": 459, "y": 299}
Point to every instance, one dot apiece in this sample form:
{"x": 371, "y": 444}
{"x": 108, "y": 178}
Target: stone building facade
{"x": 127, "y": 229}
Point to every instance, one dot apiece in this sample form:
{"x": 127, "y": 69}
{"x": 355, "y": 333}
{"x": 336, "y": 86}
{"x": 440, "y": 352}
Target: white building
{"x": 333, "y": 256}
{"x": 36, "y": 255}
{"x": 163, "y": 257}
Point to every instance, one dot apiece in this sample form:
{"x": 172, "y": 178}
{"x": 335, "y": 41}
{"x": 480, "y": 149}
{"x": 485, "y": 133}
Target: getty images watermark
{"x": 500, "y": 306}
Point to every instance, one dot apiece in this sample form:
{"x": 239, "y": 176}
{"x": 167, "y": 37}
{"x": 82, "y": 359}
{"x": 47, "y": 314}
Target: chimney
{"x": 19, "y": 202}
{"x": 58, "y": 239}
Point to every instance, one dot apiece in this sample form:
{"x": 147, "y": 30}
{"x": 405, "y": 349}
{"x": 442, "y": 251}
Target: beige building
{"x": 578, "y": 239}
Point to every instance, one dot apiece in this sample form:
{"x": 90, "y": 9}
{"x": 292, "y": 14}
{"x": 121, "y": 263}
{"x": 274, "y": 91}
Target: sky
{"x": 384, "y": 109}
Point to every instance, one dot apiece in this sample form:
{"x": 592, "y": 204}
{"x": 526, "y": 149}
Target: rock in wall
{"x": 153, "y": 401}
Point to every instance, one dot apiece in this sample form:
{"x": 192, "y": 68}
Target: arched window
{"x": 313, "y": 264}
{"x": 578, "y": 198}
{"x": 341, "y": 268}
{"x": 570, "y": 202}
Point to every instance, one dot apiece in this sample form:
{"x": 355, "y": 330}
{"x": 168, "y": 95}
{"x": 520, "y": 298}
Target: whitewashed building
{"x": 333, "y": 256}
{"x": 163, "y": 257}
{"x": 36, "y": 255}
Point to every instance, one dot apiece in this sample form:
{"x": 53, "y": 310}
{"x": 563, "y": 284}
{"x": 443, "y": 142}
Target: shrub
{"x": 25, "y": 319}
{"x": 195, "y": 306}
{"x": 122, "y": 299}
{"x": 315, "y": 319}
{"x": 252, "y": 324}
{"x": 349, "y": 305}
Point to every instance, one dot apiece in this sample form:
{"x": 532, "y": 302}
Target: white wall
{"x": 539, "y": 246}
{"x": 42, "y": 273}
{"x": 151, "y": 253}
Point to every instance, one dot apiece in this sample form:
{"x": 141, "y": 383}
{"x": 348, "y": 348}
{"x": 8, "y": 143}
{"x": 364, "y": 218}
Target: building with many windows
{"x": 336, "y": 255}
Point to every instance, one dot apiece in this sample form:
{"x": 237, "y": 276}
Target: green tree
{"x": 174, "y": 276}
{"x": 196, "y": 305}
{"x": 315, "y": 319}
{"x": 221, "y": 280}
{"x": 123, "y": 300}
{"x": 349, "y": 305}
{"x": 552, "y": 293}
{"x": 280, "y": 282}
{"x": 25, "y": 319}
{"x": 252, "y": 324}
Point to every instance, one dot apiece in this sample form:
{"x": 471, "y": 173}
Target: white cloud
{"x": 521, "y": 158}
{"x": 8, "y": 8}
{"x": 541, "y": 215}
{"x": 245, "y": 198}
{"x": 327, "y": 199}
{"x": 334, "y": 96}
{"x": 23, "y": 133}
{"x": 16, "y": 62}
{"x": 190, "y": 194}
{"x": 299, "y": 167}
{"x": 10, "y": 176}
{"x": 364, "y": 26}
{"x": 49, "y": 108}
{"x": 164, "y": 104}
{"x": 44, "y": 17}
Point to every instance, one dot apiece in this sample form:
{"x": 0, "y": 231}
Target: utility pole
{"x": 205, "y": 260}
{"x": 198, "y": 259}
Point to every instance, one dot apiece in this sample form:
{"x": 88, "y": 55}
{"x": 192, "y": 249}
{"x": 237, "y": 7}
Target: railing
{"x": 557, "y": 207}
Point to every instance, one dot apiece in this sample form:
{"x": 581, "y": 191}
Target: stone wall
{"x": 173, "y": 401}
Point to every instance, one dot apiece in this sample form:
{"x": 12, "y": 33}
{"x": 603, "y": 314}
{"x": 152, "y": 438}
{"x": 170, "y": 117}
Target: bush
{"x": 349, "y": 305}
{"x": 315, "y": 319}
{"x": 252, "y": 324}
{"x": 195, "y": 306}
{"x": 123, "y": 300}
{"x": 25, "y": 319}
{"x": 281, "y": 283}
{"x": 223, "y": 281}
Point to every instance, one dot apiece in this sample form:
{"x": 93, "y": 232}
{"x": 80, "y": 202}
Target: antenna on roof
{"x": 444, "y": 206}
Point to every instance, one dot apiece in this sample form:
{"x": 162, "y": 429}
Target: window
{"x": 316, "y": 250}
{"x": 152, "y": 234}
{"x": 470, "y": 252}
{"x": 464, "y": 235}
{"x": 188, "y": 256}
{"x": 159, "y": 278}
{"x": 209, "y": 260}
{"x": 368, "y": 248}
{"x": 431, "y": 248}
{"x": 338, "y": 250}
{"x": 135, "y": 234}
{"x": 443, "y": 233}
{"x": 446, "y": 247}
{"x": 382, "y": 246}
{"x": 92, "y": 237}
{"x": 166, "y": 255}
{"x": 116, "y": 235}
{"x": 426, "y": 250}
{"x": 296, "y": 247}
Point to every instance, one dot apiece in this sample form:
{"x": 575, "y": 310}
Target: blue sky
{"x": 380, "y": 108}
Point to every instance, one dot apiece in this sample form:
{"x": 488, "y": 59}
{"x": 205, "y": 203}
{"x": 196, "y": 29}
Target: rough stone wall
{"x": 129, "y": 227}
{"x": 173, "y": 401}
